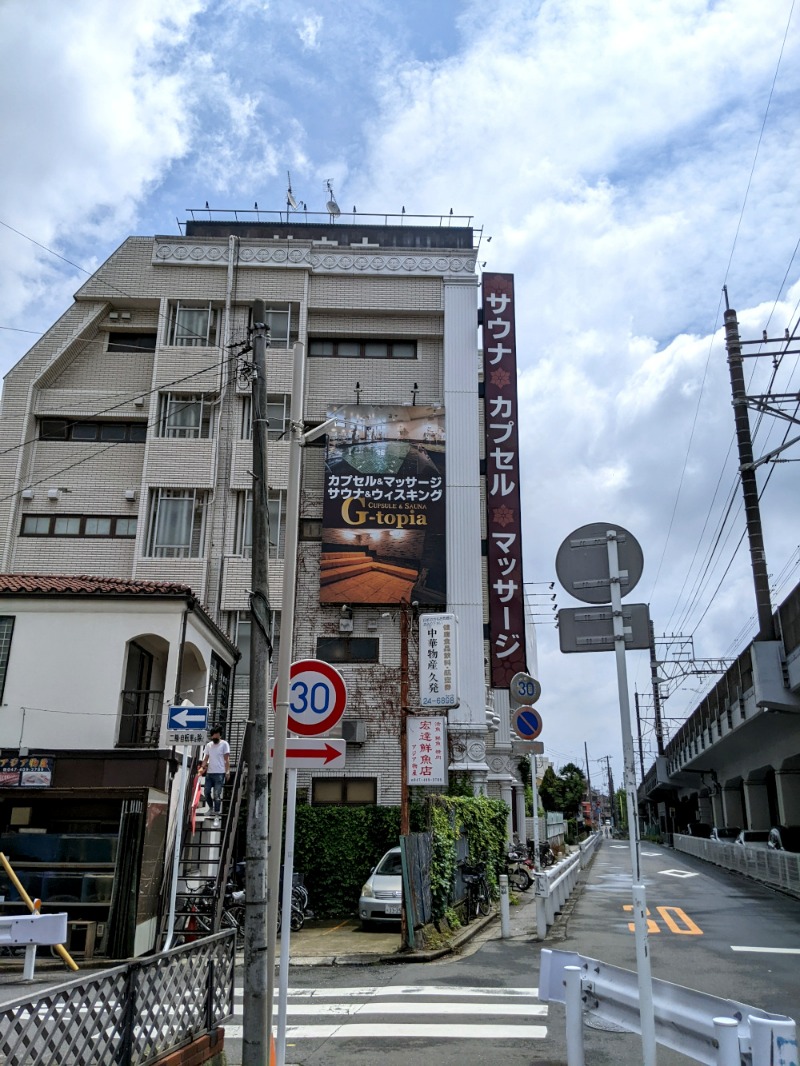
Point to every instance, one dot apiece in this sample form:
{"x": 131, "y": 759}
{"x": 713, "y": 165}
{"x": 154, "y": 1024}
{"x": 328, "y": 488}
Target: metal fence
{"x": 778, "y": 869}
{"x": 130, "y": 1015}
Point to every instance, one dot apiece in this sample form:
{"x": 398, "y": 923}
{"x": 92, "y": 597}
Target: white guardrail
{"x": 718, "y": 1032}
{"x": 779, "y": 869}
{"x": 555, "y": 886}
{"x": 30, "y": 931}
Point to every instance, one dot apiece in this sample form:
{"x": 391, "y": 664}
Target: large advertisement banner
{"x": 383, "y": 513}
{"x": 503, "y": 515}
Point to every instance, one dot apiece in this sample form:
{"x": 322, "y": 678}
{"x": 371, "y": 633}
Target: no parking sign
{"x": 527, "y": 723}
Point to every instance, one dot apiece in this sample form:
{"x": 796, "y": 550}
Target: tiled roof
{"x": 83, "y": 585}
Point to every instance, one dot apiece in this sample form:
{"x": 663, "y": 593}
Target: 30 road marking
{"x": 766, "y": 951}
{"x": 675, "y": 918}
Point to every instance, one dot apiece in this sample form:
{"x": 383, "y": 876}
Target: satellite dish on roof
{"x": 290, "y": 200}
{"x": 332, "y": 207}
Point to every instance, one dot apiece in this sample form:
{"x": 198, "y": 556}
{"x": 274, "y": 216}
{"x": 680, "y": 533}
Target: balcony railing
{"x": 140, "y": 725}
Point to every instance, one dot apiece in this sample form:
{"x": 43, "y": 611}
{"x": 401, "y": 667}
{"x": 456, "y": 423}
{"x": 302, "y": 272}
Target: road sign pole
{"x": 646, "y": 1011}
{"x": 535, "y": 792}
{"x": 286, "y": 913}
{"x": 284, "y": 666}
{"x": 176, "y": 858}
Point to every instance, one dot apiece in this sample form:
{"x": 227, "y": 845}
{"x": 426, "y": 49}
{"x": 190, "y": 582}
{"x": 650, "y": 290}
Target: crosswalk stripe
{"x": 391, "y": 991}
{"x": 519, "y": 1010}
{"x": 356, "y": 1031}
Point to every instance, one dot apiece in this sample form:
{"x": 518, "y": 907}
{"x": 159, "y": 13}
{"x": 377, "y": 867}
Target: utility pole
{"x": 656, "y": 692}
{"x": 588, "y": 782}
{"x": 639, "y": 733}
{"x": 610, "y": 786}
{"x": 747, "y": 473}
{"x": 255, "y": 1030}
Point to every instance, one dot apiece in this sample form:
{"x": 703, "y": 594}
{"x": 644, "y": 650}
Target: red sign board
{"x": 503, "y": 516}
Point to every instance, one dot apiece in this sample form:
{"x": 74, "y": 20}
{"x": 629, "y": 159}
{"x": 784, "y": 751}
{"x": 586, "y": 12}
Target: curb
{"x": 463, "y": 936}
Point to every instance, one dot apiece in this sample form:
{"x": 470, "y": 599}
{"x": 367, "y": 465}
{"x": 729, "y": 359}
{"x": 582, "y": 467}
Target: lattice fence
{"x": 130, "y": 1015}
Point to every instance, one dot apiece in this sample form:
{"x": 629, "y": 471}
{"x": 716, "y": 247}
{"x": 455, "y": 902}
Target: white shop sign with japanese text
{"x": 438, "y": 660}
{"x": 427, "y": 750}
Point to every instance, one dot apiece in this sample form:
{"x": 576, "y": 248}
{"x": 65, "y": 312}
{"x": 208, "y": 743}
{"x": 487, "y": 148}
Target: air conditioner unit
{"x": 345, "y": 625}
{"x": 354, "y": 731}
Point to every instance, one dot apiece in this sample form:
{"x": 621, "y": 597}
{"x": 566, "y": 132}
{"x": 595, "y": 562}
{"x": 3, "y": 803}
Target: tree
{"x": 551, "y": 791}
{"x": 620, "y": 809}
{"x": 574, "y": 789}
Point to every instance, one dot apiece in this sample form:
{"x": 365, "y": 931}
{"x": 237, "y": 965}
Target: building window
{"x": 363, "y": 349}
{"x": 219, "y": 688}
{"x": 241, "y": 628}
{"x": 193, "y": 325}
{"x": 35, "y": 525}
{"x": 6, "y": 632}
{"x": 132, "y": 342}
{"x": 177, "y": 523}
{"x": 110, "y": 432}
{"x": 277, "y": 416}
{"x": 279, "y": 321}
{"x": 188, "y": 416}
{"x": 276, "y": 519}
{"x": 347, "y": 649}
{"x": 344, "y": 791}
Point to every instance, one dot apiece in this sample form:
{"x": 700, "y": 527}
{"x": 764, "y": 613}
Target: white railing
{"x": 779, "y": 869}
{"x": 718, "y": 1032}
{"x": 555, "y": 885}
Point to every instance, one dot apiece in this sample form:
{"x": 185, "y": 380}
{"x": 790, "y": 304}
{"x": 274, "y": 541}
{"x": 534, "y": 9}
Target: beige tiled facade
{"x": 334, "y": 284}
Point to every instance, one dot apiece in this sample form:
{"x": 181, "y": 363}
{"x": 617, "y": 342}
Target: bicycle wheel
{"x": 520, "y": 879}
{"x": 298, "y": 919}
{"x": 482, "y": 900}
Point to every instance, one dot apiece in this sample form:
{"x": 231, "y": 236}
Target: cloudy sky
{"x": 627, "y": 160}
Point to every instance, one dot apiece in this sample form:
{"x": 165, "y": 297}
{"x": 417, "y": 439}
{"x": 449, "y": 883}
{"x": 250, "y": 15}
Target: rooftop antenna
{"x": 331, "y": 207}
{"x": 291, "y": 203}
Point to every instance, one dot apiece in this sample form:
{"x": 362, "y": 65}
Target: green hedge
{"x": 336, "y": 847}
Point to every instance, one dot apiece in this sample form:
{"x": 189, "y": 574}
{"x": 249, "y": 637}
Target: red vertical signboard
{"x": 503, "y": 517}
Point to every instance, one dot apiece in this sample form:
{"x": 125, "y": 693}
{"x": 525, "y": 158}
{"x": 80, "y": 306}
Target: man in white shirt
{"x": 216, "y": 765}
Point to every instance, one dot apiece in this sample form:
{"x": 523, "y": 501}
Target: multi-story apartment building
{"x": 125, "y": 451}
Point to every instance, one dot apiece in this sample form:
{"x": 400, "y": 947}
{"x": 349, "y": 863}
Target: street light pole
{"x": 405, "y": 821}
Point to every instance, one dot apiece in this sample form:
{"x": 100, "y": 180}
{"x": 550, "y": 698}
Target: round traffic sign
{"x": 317, "y": 697}
{"x": 582, "y": 562}
{"x": 527, "y": 723}
{"x": 524, "y": 688}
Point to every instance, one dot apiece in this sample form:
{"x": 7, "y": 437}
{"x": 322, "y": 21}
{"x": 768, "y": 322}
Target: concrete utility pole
{"x": 256, "y": 1034}
{"x": 405, "y": 826}
{"x": 588, "y": 782}
{"x": 656, "y": 692}
{"x": 610, "y": 787}
{"x": 639, "y": 734}
{"x": 747, "y": 473}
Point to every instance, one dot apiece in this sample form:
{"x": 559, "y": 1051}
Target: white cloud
{"x": 309, "y": 30}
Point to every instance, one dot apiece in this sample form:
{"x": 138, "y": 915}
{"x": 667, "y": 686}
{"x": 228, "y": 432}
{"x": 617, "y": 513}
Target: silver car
{"x": 382, "y": 894}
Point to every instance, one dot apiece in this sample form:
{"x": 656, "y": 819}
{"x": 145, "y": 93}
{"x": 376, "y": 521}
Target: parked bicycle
{"x": 547, "y": 857}
{"x": 478, "y": 900}
{"x": 519, "y": 870}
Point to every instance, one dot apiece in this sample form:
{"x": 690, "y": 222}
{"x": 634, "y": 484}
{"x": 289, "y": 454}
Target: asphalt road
{"x": 710, "y": 930}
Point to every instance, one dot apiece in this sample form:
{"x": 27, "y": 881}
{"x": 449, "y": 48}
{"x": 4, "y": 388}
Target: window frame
{"x": 272, "y": 311}
{"x": 362, "y": 343}
{"x": 186, "y": 337}
{"x": 242, "y": 619}
{"x": 343, "y": 783}
{"x": 127, "y": 345}
{"x": 276, "y": 505}
{"x": 7, "y": 622}
{"x": 274, "y": 399}
{"x": 70, "y": 425}
{"x": 52, "y": 519}
{"x": 197, "y": 535}
{"x": 347, "y": 640}
{"x": 172, "y": 403}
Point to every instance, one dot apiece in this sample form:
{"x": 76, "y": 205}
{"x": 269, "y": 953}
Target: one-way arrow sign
{"x": 305, "y": 753}
{"x": 187, "y": 718}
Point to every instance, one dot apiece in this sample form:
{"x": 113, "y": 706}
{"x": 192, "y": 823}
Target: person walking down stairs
{"x": 216, "y": 765}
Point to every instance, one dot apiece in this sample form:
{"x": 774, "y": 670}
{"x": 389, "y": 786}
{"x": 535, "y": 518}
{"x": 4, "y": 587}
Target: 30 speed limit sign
{"x": 317, "y": 697}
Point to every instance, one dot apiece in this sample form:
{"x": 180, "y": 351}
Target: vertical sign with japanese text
{"x": 427, "y": 750}
{"x": 438, "y": 660}
{"x": 503, "y": 517}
